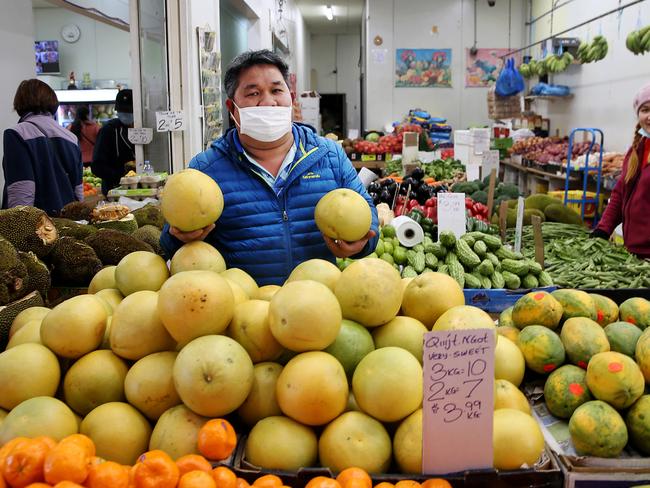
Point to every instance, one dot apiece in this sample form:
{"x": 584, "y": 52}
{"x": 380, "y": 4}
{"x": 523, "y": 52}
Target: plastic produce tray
{"x": 496, "y": 301}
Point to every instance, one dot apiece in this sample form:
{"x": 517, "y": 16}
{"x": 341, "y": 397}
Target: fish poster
{"x": 482, "y": 69}
{"x": 423, "y": 68}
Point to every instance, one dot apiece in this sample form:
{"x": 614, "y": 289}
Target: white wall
{"x": 603, "y": 91}
{"x": 402, "y": 27}
{"x": 17, "y": 51}
{"x": 102, "y": 50}
{"x": 335, "y": 64}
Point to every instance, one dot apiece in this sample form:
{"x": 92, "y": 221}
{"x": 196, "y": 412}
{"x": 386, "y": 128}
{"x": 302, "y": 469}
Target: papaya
{"x": 537, "y": 308}
{"x": 557, "y": 212}
{"x": 597, "y": 429}
{"x": 635, "y": 311}
{"x": 615, "y": 378}
{"x": 638, "y": 424}
{"x": 542, "y": 348}
{"x": 565, "y": 390}
{"x": 508, "y": 331}
{"x": 505, "y": 318}
{"x": 540, "y": 201}
{"x": 606, "y": 309}
{"x": 622, "y": 337}
{"x": 642, "y": 355}
{"x": 582, "y": 338}
{"x": 575, "y": 303}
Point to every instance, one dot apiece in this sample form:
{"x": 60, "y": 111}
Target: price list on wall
{"x": 458, "y": 400}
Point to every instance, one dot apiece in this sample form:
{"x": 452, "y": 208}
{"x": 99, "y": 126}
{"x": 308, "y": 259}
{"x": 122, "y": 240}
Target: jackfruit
{"x": 77, "y": 211}
{"x": 540, "y": 201}
{"x": 73, "y": 262}
{"x": 127, "y": 224}
{"x": 70, "y": 228}
{"x": 9, "y": 312}
{"x": 528, "y": 215}
{"x": 13, "y": 273}
{"x": 149, "y": 215}
{"x": 28, "y": 229}
{"x": 559, "y": 213}
{"x": 38, "y": 275}
{"x": 151, "y": 235}
{"x": 112, "y": 245}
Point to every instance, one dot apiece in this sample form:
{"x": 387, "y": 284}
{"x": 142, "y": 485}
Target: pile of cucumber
{"x": 476, "y": 260}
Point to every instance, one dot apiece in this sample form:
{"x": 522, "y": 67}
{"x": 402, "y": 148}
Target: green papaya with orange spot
{"x": 583, "y": 338}
{"x": 606, "y": 309}
{"x": 565, "y": 390}
{"x": 635, "y": 311}
{"x": 537, "y": 308}
{"x": 575, "y": 303}
{"x": 615, "y": 378}
{"x": 542, "y": 348}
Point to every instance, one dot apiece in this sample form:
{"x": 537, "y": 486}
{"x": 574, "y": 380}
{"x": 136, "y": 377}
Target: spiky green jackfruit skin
{"x": 77, "y": 211}
{"x": 112, "y": 245}
{"x": 128, "y": 224}
{"x": 28, "y": 229}
{"x": 73, "y": 262}
{"x": 38, "y": 274}
{"x": 151, "y": 235}
{"x": 13, "y": 273}
{"x": 70, "y": 228}
{"x": 150, "y": 214}
{"x": 9, "y": 312}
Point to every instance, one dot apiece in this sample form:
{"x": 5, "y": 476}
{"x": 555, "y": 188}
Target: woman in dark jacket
{"x": 630, "y": 200}
{"x": 42, "y": 161}
{"x": 113, "y": 149}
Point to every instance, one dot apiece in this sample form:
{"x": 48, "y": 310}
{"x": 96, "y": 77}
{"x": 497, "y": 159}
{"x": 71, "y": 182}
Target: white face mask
{"x": 264, "y": 123}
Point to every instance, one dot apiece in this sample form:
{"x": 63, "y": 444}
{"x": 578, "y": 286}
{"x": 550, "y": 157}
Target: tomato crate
{"x": 545, "y": 474}
{"x": 497, "y": 300}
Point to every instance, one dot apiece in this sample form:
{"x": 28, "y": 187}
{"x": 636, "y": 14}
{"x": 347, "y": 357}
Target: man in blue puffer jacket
{"x": 272, "y": 174}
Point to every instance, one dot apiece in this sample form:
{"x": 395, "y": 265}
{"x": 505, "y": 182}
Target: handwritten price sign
{"x": 458, "y": 400}
{"x": 170, "y": 121}
{"x": 451, "y": 213}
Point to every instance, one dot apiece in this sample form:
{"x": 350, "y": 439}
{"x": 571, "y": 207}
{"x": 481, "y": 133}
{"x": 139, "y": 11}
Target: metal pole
{"x": 610, "y": 12}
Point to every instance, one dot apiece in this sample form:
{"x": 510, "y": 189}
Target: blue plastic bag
{"x": 510, "y": 82}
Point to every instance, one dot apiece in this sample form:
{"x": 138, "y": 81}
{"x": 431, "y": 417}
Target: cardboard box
{"x": 630, "y": 469}
{"x": 545, "y": 474}
{"x": 309, "y": 100}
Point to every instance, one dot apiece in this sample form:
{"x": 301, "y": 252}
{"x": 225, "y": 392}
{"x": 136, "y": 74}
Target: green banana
{"x": 632, "y": 42}
{"x": 644, "y": 43}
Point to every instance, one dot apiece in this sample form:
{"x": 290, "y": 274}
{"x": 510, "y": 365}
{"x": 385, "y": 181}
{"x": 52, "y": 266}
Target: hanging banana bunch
{"x": 594, "y": 51}
{"x": 638, "y": 41}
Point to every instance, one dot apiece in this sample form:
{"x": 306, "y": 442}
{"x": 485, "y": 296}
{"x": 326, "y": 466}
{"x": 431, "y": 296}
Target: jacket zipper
{"x": 287, "y": 233}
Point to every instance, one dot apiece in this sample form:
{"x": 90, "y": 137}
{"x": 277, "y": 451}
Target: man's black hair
{"x": 248, "y": 59}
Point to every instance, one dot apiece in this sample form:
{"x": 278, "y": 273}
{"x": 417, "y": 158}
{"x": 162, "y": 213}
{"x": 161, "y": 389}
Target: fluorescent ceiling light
{"x": 329, "y": 13}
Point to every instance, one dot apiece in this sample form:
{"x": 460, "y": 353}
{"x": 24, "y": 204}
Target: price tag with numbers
{"x": 170, "y": 121}
{"x": 451, "y": 213}
{"x": 458, "y": 400}
{"x": 141, "y": 135}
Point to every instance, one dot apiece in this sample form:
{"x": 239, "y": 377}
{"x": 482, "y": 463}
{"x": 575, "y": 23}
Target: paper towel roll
{"x": 408, "y": 231}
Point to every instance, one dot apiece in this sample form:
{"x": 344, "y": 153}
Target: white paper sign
{"x": 520, "y": 223}
{"x": 353, "y": 133}
{"x": 451, "y": 213}
{"x": 379, "y": 55}
{"x": 171, "y": 120}
{"x": 490, "y": 161}
{"x": 473, "y": 172}
{"x": 142, "y": 135}
{"x": 458, "y": 401}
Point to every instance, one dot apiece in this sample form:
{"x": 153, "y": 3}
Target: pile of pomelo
{"x": 597, "y": 358}
{"x": 318, "y": 368}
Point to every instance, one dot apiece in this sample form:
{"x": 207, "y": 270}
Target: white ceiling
{"x": 347, "y": 16}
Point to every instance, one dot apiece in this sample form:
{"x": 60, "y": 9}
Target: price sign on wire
{"x": 519, "y": 223}
{"x": 451, "y": 213}
{"x": 143, "y": 135}
{"x": 458, "y": 400}
{"x": 170, "y": 121}
{"x": 490, "y": 162}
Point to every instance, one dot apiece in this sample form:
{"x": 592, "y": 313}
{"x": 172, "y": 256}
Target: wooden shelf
{"x": 538, "y": 172}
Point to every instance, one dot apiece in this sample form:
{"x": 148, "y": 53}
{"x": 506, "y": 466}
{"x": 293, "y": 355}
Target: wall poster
{"x": 423, "y": 68}
{"x": 483, "y": 68}
{"x": 210, "y": 85}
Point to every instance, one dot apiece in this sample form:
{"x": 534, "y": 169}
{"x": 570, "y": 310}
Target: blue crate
{"x": 496, "y": 301}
